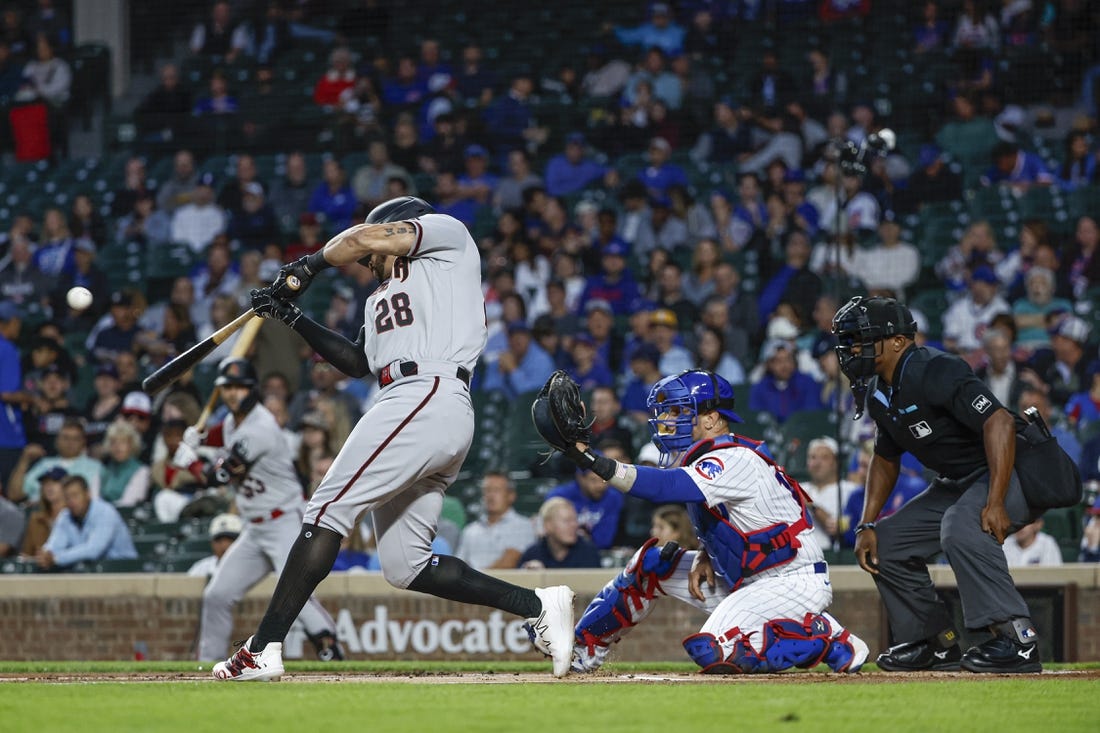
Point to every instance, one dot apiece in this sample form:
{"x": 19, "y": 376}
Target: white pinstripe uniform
{"x": 408, "y": 447}
{"x": 269, "y": 499}
{"x": 740, "y": 484}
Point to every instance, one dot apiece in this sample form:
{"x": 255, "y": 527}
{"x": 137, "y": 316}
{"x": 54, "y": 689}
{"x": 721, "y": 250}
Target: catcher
{"x": 760, "y": 575}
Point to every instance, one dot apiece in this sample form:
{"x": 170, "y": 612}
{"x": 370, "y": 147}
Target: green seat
{"x": 169, "y": 261}
{"x": 137, "y": 565}
{"x": 798, "y": 430}
{"x": 1065, "y": 525}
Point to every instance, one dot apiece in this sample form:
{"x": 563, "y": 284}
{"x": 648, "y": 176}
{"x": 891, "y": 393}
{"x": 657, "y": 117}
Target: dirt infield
{"x": 524, "y": 678}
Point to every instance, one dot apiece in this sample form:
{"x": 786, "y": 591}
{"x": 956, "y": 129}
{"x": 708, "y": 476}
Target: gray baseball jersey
{"x": 269, "y": 499}
{"x": 408, "y": 447}
{"x": 432, "y": 308}
{"x": 271, "y": 482}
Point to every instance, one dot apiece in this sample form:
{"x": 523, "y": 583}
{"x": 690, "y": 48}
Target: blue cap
{"x": 575, "y": 138}
{"x": 647, "y": 351}
{"x": 1094, "y": 368}
{"x": 615, "y": 246}
{"x": 823, "y": 344}
{"x": 207, "y": 179}
{"x": 54, "y": 474}
{"x": 984, "y": 274}
{"x": 795, "y": 175}
{"x": 642, "y": 305}
{"x": 928, "y": 155}
{"x": 517, "y": 327}
{"x": 584, "y": 337}
{"x": 9, "y": 310}
{"x": 475, "y": 150}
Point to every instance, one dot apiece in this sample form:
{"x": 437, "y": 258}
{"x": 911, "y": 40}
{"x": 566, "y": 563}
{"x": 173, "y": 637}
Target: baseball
{"x": 78, "y": 298}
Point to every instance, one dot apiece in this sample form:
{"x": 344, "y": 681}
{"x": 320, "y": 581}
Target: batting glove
{"x": 267, "y": 305}
{"x": 184, "y": 456}
{"x": 296, "y": 272}
{"x": 193, "y": 438}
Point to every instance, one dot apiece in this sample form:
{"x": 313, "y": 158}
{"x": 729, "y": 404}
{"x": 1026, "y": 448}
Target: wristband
{"x": 316, "y": 262}
{"x": 602, "y": 466}
{"x": 865, "y": 525}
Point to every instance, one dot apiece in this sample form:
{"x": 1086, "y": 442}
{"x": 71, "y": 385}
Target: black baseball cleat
{"x": 328, "y": 649}
{"x": 920, "y": 656}
{"x": 1012, "y": 650}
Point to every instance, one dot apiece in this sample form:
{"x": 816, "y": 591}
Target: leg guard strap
{"x": 627, "y": 599}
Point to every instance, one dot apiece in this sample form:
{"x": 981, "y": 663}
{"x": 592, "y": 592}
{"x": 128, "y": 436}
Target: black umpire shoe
{"x": 920, "y": 656}
{"x": 1012, "y": 650}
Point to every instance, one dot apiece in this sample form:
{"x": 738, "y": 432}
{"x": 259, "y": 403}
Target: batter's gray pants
{"x": 940, "y": 518}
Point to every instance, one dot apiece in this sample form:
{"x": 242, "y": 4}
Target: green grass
{"x": 822, "y": 704}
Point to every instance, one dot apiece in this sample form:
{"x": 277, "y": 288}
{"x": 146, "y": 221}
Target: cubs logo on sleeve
{"x": 710, "y": 468}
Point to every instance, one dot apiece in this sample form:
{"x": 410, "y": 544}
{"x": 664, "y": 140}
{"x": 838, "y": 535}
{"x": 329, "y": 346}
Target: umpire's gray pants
{"x": 940, "y": 518}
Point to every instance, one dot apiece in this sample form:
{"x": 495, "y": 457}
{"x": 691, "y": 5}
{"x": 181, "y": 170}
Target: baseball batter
{"x": 424, "y": 331}
{"x": 761, "y": 576}
{"x": 256, "y": 461}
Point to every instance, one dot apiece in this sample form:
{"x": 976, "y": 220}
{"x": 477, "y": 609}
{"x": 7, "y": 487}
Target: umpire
{"x": 931, "y": 404}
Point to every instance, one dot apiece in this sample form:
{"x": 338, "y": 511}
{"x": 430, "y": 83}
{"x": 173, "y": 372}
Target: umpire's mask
{"x": 860, "y": 325}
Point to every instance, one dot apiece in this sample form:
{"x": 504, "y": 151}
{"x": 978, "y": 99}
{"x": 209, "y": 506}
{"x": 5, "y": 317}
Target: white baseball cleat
{"x": 552, "y": 631}
{"x": 244, "y": 666}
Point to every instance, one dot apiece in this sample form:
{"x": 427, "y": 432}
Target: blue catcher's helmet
{"x": 674, "y": 403}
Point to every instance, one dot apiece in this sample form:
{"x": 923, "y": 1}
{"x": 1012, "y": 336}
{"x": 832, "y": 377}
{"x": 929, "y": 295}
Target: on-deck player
{"x": 760, "y": 575}
{"x": 424, "y": 331}
{"x": 256, "y": 461}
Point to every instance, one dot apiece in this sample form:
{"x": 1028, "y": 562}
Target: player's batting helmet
{"x": 674, "y": 403}
{"x": 401, "y": 208}
{"x": 236, "y": 371}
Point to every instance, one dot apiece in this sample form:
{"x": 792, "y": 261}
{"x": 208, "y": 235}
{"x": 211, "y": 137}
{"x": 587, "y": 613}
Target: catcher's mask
{"x": 860, "y": 327}
{"x": 676, "y": 401}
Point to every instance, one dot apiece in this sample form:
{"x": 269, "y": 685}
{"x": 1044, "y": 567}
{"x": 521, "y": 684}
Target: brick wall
{"x": 115, "y": 617}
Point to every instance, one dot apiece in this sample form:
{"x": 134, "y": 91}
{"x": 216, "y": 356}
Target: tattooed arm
{"x": 351, "y": 245}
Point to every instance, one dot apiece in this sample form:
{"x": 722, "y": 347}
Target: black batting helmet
{"x": 401, "y": 208}
{"x": 237, "y": 371}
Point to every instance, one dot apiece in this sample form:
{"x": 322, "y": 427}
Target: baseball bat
{"x": 174, "y": 369}
{"x": 240, "y": 349}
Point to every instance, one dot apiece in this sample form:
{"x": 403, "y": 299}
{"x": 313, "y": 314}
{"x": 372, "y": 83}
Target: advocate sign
{"x": 383, "y": 635}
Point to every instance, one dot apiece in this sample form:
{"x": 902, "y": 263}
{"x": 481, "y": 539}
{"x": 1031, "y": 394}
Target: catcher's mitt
{"x": 559, "y": 413}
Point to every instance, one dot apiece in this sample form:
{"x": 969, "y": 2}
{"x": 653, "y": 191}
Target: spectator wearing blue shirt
{"x": 12, "y": 396}
{"x": 1016, "y": 167}
{"x": 477, "y": 183}
{"x": 589, "y": 370}
{"x": 521, "y": 368}
{"x": 1083, "y": 408}
{"x": 660, "y": 32}
{"x": 510, "y": 120}
{"x": 474, "y": 82}
{"x": 598, "y": 506}
{"x": 614, "y": 284}
{"x": 219, "y": 101}
{"x": 333, "y": 197}
{"x": 664, "y": 334}
{"x": 561, "y": 545}
{"x": 783, "y": 389}
{"x": 450, "y": 201}
{"x": 660, "y": 175}
{"x": 404, "y": 89}
{"x": 572, "y": 171}
{"x": 87, "y": 530}
{"x": 1078, "y": 163}
{"x": 644, "y": 373}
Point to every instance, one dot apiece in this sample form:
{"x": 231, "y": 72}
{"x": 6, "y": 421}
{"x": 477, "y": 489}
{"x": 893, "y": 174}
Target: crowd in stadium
{"x": 668, "y": 197}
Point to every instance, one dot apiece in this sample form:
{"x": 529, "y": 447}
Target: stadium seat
{"x": 1065, "y": 525}
{"x": 797, "y": 431}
